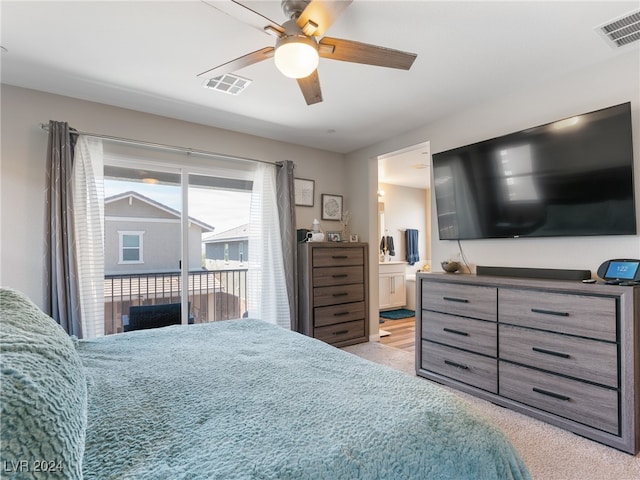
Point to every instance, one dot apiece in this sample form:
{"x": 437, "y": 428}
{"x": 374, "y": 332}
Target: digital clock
{"x": 622, "y": 270}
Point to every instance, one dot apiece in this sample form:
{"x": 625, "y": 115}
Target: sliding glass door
{"x": 218, "y": 246}
{"x": 169, "y": 230}
{"x": 143, "y": 247}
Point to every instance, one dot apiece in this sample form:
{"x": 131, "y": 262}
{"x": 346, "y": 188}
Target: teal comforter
{"x": 245, "y": 399}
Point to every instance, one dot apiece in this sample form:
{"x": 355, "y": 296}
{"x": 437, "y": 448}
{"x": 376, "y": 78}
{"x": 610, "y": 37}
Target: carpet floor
{"x": 549, "y": 452}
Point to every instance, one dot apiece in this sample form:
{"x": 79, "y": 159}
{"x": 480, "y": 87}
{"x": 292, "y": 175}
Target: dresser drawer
{"x": 581, "y": 358}
{"x": 323, "y": 277}
{"x": 466, "y": 300}
{"x": 336, "y": 257}
{"x": 461, "y": 332}
{"x": 588, "y": 404}
{"x": 463, "y": 366}
{"x": 338, "y": 313}
{"x": 323, "y": 296}
{"x": 340, "y": 332}
{"x": 582, "y": 315}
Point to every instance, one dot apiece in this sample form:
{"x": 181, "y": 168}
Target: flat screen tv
{"x": 573, "y": 177}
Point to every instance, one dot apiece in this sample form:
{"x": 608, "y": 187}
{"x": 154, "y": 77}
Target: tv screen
{"x": 572, "y": 177}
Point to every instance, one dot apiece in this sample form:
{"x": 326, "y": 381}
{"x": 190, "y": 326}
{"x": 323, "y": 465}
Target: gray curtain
{"x": 61, "y": 296}
{"x": 287, "y": 217}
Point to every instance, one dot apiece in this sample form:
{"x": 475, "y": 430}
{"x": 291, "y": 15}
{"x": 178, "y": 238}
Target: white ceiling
{"x": 409, "y": 167}
{"x": 146, "y": 55}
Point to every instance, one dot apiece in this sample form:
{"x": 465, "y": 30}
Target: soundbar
{"x": 546, "y": 273}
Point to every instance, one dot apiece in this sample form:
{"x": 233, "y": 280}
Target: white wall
{"x": 23, "y": 149}
{"x": 609, "y": 83}
{"x": 405, "y": 207}
{"x": 591, "y": 89}
{"x": 22, "y": 171}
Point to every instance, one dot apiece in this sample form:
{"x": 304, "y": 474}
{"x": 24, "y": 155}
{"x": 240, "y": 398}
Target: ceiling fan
{"x": 297, "y": 50}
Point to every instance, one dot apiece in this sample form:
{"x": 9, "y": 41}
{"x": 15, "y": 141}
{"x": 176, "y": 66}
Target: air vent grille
{"x": 622, "y": 31}
{"x": 228, "y": 83}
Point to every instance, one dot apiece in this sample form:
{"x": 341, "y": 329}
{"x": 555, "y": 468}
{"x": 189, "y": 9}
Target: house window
{"x": 131, "y": 247}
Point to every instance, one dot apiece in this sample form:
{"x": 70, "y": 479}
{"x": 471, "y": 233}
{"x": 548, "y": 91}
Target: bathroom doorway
{"x": 404, "y": 196}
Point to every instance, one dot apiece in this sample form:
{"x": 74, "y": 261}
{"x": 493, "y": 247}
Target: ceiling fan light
{"x": 296, "y": 56}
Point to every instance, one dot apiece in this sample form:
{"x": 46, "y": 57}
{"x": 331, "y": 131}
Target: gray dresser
{"x": 333, "y": 291}
{"x": 561, "y": 351}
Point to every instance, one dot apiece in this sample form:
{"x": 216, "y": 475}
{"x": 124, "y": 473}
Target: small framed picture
{"x": 353, "y": 238}
{"x": 334, "y": 236}
{"x": 303, "y": 190}
{"x": 331, "y": 207}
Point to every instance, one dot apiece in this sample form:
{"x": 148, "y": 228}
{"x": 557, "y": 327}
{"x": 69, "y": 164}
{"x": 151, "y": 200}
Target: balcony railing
{"x": 213, "y": 295}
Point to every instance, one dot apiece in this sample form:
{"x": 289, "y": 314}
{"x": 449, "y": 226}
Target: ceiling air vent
{"x": 621, "y": 31}
{"x": 228, "y": 83}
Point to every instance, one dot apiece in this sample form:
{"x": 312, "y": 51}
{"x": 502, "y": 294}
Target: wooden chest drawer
{"x": 333, "y": 290}
{"x": 590, "y": 360}
{"x": 338, "y": 313}
{"x": 323, "y": 296}
{"x": 463, "y": 366}
{"x": 336, "y": 257}
{"x": 582, "y": 315}
{"x": 465, "y": 300}
{"x": 323, "y": 277}
{"x": 340, "y": 332}
{"x": 467, "y": 333}
{"x": 588, "y": 404}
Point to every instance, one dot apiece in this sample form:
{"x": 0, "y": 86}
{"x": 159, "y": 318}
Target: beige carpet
{"x": 550, "y": 452}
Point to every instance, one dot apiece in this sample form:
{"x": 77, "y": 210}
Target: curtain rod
{"x": 188, "y": 151}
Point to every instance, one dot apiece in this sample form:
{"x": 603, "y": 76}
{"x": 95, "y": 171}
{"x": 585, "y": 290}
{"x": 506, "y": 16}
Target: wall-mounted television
{"x": 572, "y": 177}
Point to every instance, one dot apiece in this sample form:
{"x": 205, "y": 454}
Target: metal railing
{"x": 213, "y": 294}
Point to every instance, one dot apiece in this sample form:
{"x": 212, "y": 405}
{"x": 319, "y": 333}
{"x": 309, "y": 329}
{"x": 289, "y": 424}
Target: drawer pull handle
{"x": 453, "y": 299}
{"x": 551, "y": 394}
{"x": 339, "y": 257}
{"x": 457, "y": 365}
{"x": 341, "y": 332}
{"x": 550, "y": 312}
{"x": 550, "y": 352}
{"x": 340, "y": 314}
{"x": 341, "y": 294}
{"x": 457, "y": 332}
{"x": 339, "y": 275}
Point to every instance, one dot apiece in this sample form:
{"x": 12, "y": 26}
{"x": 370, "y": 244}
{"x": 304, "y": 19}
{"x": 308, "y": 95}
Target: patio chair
{"x": 142, "y": 317}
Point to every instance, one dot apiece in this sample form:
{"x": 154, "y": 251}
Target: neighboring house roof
{"x": 131, "y": 194}
{"x": 234, "y": 234}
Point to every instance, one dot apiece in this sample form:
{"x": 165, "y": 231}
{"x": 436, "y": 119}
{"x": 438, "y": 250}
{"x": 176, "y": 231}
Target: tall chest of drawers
{"x": 561, "y": 351}
{"x": 333, "y": 292}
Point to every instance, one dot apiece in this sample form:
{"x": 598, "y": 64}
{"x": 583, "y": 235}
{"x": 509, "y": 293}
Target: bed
{"x": 233, "y": 399}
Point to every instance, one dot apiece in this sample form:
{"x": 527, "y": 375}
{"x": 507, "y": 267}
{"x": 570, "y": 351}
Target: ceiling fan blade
{"x": 310, "y": 87}
{"x": 246, "y": 15}
{"x": 350, "y": 51}
{"x": 240, "y": 62}
{"x": 319, "y": 15}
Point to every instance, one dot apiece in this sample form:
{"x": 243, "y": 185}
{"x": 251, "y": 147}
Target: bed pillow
{"x": 43, "y": 394}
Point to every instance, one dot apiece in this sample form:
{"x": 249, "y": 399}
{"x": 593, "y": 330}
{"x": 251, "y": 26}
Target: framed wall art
{"x": 331, "y": 207}
{"x": 303, "y": 190}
